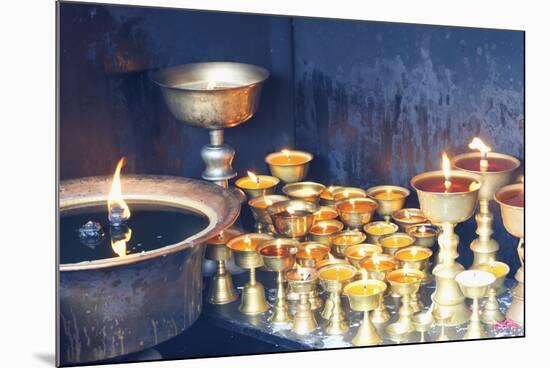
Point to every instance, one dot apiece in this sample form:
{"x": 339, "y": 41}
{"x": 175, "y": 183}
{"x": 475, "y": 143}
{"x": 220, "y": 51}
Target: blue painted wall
{"x": 375, "y": 102}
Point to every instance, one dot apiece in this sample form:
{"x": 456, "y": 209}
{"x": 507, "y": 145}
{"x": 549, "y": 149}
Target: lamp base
{"x": 253, "y": 299}
{"x": 221, "y": 289}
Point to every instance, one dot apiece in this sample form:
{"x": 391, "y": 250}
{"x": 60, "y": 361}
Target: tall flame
{"x": 115, "y": 202}
{"x": 446, "y": 170}
{"x": 478, "y": 144}
{"x": 253, "y": 177}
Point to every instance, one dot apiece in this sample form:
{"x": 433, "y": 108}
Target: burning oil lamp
{"x": 303, "y": 282}
{"x": 405, "y": 282}
{"x": 474, "y": 285}
{"x": 327, "y": 196}
{"x": 119, "y": 213}
{"x": 390, "y": 198}
{"x": 333, "y": 278}
{"x": 376, "y": 229}
{"x": 347, "y": 192}
{"x": 364, "y": 296}
{"x": 257, "y": 185}
{"x": 293, "y": 218}
{"x": 425, "y": 234}
{"x": 491, "y": 310}
{"x": 448, "y": 197}
{"x": 246, "y": 256}
{"x": 391, "y": 243}
{"x": 415, "y": 257}
{"x": 331, "y": 260}
{"x": 343, "y": 239}
{"x": 304, "y": 190}
{"x": 322, "y": 231}
{"x": 354, "y": 254}
{"x": 325, "y": 213}
{"x": 221, "y": 290}
{"x": 407, "y": 217}
{"x": 259, "y": 206}
{"x": 377, "y": 267}
{"x": 213, "y": 95}
{"x": 289, "y": 165}
{"x": 311, "y": 253}
{"x": 496, "y": 170}
{"x": 356, "y": 212}
{"x": 278, "y": 256}
{"x": 512, "y": 203}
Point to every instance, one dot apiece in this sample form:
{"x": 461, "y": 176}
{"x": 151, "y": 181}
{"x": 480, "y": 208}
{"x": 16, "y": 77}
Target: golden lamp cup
{"x": 392, "y": 243}
{"x": 491, "y": 310}
{"x": 333, "y": 278}
{"x": 304, "y": 190}
{"x": 257, "y": 185}
{"x": 326, "y": 213}
{"x": 475, "y": 285}
{"x": 355, "y": 254}
{"x": 425, "y": 234}
{"x": 376, "y": 229}
{"x": 259, "y": 206}
{"x": 244, "y": 248}
{"x": 405, "y": 282}
{"x": 365, "y": 296}
{"x": 511, "y": 201}
{"x": 289, "y": 165}
{"x": 293, "y": 218}
{"x": 221, "y": 289}
{"x": 497, "y": 172}
{"x": 303, "y": 281}
{"x": 356, "y": 212}
{"x": 309, "y": 254}
{"x": 278, "y": 256}
{"x": 406, "y": 217}
{"x": 347, "y": 192}
{"x": 448, "y": 197}
{"x": 343, "y": 239}
{"x": 378, "y": 266}
{"x": 322, "y": 231}
{"x": 390, "y": 198}
{"x": 327, "y": 196}
{"x": 417, "y": 258}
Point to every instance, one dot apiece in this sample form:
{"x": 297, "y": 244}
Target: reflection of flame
{"x": 119, "y": 246}
{"x": 115, "y": 202}
{"x": 478, "y": 144}
{"x": 286, "y": 153}
{"x": 446, "y": 170}
{"x": 253, "y": 177}
{"x": 211, "y": 85}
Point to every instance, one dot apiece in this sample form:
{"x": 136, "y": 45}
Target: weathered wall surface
{"x": 378, "y": 103}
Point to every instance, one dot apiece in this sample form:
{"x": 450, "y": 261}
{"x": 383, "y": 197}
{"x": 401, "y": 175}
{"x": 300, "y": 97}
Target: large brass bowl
{"x": 236, "y": 100}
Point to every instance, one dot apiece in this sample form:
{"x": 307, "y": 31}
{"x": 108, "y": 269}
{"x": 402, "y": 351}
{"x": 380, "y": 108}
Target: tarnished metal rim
{"x": 220, "y": 206}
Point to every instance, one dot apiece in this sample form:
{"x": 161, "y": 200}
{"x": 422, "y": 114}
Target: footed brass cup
{"x": 388, "y": 205}
{"x": 293, "y": 218}
{"x": 259, "y": 206}
{"x": 304, "y": 190}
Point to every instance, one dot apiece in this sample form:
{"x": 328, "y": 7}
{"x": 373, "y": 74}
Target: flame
{"x": 491, "y": 263}
{"x": 446, "y": 170}
{"x": 308, "y": 251}
{"x": 522, "y": 179}
{"x": 478, "y": 144}
{"x": 345, "y": 193}
{"x": 413, "y": 252}
{"x": 364, "y": 277}
{"x": 211, "y": 85}
{"x": 115, "y": 202}
{"x": 253, "y": 177}
{"x": 375, "y": 259}
{"x": 279, "y": 242}
{"x": 291, "y": 210}
{"x": 303, "y": 272}
{"x": 119, "y": 246}
{"x": 407, "y": 214}
{"x": 422, "y": 229}
{"x": 268, "y": 201}
{"x": 352, "y": 202}
{"x": 323, "y": 226}
{"x": 362, "y": 252}
{"x": 248, "y": 241}
{"x": 286, "y": 153}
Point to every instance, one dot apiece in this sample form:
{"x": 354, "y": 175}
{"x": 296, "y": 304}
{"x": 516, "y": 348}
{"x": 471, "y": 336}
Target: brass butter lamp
{"x": 512, "y": 203}
{"x": 278, "y": 256}
{"x": 404, "y": 282}
{"x": 244, "y": 247}
{"x": 303, "y": 281}
{"x": 364, "y": 296}
{"x": 390, "y": 198}
{"x": 258, "y": 205}
{"x": 293, "y": 218}
{"x": 448, "y": 197}
{"x": 496, "y": 171}
{"x": 491, "y": 310}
